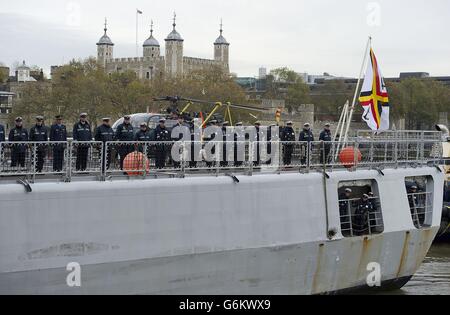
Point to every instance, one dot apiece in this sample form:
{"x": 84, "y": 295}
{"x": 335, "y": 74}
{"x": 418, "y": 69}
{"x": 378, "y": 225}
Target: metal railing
{"x": 421, "y": 206}
{"x": 360, "y": 217}
{"x": 141, "y": 159}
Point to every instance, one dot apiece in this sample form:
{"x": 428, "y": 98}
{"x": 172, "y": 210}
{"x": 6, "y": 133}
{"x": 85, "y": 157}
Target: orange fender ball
{"x": 134, "y": 162}
{"x": 347, "y": 156}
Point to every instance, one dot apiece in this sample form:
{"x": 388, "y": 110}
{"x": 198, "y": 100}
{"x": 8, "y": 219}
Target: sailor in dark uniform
{"x": 361, "y": 222}
{"x": 82, "y": 133}
{"x": 288, "y": 135}
{"x": 325, "y": 137}
{"x": 162, "y": 136}
{"x": 18, "y": 151}
{"x": 125, "y": 133}
{"x": 306, "y": 136}
{"x": 58, "y": 133}
{"x": 39, "y": 133}
{"x": 105, "y": 134}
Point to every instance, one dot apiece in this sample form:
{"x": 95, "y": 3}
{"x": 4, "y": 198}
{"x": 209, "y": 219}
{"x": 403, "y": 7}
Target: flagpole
{"x": 361, "y": 73}
{"x": 137, "y": 30}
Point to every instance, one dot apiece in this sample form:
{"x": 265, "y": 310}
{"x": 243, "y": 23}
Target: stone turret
{"x": 174, "y": 52}
{"x": 151, "y": 46}
{"x": 105, "y": 48}
{"x": 221, "y": 49}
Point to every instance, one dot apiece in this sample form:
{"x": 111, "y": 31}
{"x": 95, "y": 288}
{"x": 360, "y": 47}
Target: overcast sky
{"x": 313, "y": 36}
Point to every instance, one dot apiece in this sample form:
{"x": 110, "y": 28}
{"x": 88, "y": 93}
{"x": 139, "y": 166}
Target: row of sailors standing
{"x": 125, "y": 133}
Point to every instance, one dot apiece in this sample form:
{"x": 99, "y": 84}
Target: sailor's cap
{"x": 39, "y": 118}
{"x": 257, "y": 123}
{"x": 214, "y": 121}
{"x": 143, "y": 124}
{"x": 289, "y": 123}
{"x": 106, "y": 119}
{"x": 18, "y": 119}
{"x": 162, "y": 120}
{"x": 226, "y": 123}
{"x": 239, "y": 124}
{"x": 414, "y": 187}
{"x": 127, "y": 117}
{"x": 307, "y": 125}
{"x": 327, "y": 125}
{"x": 83, "y": 115}
{"x": 366, "y": 196}
{"x": 348, "y": 190}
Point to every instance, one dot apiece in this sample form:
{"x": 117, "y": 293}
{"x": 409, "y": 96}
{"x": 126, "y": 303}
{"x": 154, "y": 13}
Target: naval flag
{"x": 374, "y": 97}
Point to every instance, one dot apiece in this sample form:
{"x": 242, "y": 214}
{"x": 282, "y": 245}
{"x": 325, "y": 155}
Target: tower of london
{"x": 172, "y": 64}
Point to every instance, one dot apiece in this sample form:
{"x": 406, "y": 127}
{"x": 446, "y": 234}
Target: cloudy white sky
{"x": 313, "y": 36}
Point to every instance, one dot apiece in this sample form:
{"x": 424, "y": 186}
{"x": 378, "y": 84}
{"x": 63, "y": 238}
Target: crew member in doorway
{"x": 306, "y": 136}
{"x": 39, "y": 133}
{"x": 82, "y": 133}
{"x": 162, "y": 137}
{"x": 325, "y": 138}
{"x": 361, "y": 222}
{"x": 58, "y": 133}
{"x": 105, "y": 134}
{"x": 288, "y": 135}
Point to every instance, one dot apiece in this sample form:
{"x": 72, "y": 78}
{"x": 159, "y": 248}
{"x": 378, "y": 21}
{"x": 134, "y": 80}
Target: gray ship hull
{"x": 196, "y": 236}
{"x": 314, "y": 268}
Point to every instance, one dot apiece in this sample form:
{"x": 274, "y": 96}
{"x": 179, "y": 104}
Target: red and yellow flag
{"x": 374, "y": 97}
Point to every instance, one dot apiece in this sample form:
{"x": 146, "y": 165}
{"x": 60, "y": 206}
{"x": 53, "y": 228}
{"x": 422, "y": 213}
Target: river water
{"x": 433, "y": 278}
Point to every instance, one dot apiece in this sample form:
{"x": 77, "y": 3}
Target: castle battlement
{"x": 172, "y": 63}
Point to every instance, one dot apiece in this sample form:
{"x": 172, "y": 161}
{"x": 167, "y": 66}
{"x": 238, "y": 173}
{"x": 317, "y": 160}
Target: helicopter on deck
{"x": 202, "y": 118}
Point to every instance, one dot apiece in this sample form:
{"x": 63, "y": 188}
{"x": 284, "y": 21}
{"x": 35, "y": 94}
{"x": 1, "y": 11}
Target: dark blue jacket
{"x": 288, "y": 134}
{"x": 143, "y": 136}
{"x": 18, "y": 135}
{"x": 82, "y": 132}
{"x": 58, "y": 133}
{"x": 125, "y": 132}
{"x": 162, "y": 134}
{"x": 104, "y": 134}
{"x": 306, "y": 136}
{"x": 325, "y": 136}
{"x": 39, "y": 134}
{"x": 2, "y": 133}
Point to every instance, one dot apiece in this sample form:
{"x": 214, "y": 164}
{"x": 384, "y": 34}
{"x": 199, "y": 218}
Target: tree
{"x": 283, "y": 83}
{"x": 83, "y": 86}
{"x": 419, "y": 102}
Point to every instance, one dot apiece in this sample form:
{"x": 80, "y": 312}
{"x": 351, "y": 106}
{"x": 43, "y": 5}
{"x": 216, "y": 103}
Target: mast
{"x": 361, "y": 73}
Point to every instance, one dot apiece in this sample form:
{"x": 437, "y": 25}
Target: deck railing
{"x": 142, "y": 159}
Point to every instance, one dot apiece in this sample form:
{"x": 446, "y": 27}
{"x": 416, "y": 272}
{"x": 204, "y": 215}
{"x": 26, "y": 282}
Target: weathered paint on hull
{"x": 314, "y": 268}
{"x": 205, "y": 235}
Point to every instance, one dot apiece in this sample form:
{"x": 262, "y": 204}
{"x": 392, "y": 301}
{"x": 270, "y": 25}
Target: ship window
{"x": 419, "y": 191}
{"x": 360, "y": 208}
